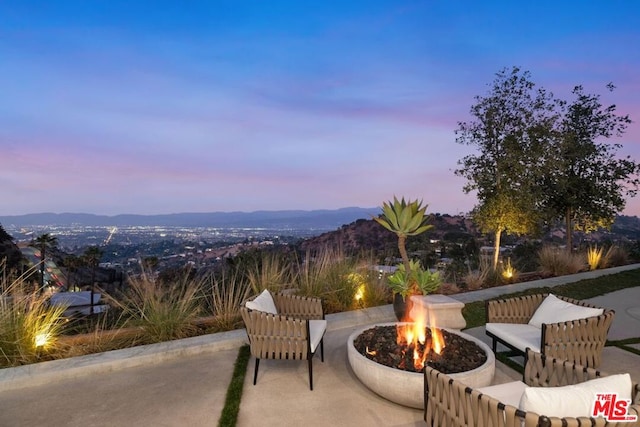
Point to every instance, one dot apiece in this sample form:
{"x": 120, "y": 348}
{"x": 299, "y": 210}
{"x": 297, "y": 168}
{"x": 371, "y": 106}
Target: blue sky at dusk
{"x": 145, "y": 107}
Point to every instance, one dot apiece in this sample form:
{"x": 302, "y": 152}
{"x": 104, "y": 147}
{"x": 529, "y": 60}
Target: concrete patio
{"x": 184, "y": 382}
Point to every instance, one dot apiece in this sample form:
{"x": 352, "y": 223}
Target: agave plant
{"x": 404, "y": 219}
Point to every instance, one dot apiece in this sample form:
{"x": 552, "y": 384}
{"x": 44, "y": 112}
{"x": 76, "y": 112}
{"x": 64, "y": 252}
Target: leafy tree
{"x": 511, "y": 127}
{"x": 43, "y": 243}
{"x": 10, "y": 256}
{"x": 587, "y": 184}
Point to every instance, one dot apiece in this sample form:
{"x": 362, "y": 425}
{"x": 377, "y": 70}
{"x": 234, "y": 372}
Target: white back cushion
{"x": 263, "y": 302}
{"x": 573, "y": 400}
{"x": 555, "y": 310}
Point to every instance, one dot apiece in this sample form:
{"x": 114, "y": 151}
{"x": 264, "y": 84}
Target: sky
{"x": 153, "y": 107}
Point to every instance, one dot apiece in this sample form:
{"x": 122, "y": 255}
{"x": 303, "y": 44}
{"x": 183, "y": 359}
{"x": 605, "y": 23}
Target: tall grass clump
{"x": 272, "y": 272}
{"x": 164, "y": 311}
{"x": 613, "y": 257}
{"x": 371, "y": 287}
{"x": 336, "y": 279}
{"x": 225, "y": 293}
{"x": 558, "y": 262}
{"x": 594, "y": 257}
{"x": 475, "y": 279}
{"x": 29, "y": 326}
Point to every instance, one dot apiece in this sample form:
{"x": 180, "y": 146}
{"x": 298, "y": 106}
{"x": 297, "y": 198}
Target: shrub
{"x": 273, "y": 272}
{"x": 329, "y": 275}
{"x": 615, "y": 256}
{"x": 165, "y": 312}
{"x": 474, "y": 279}
{"x": 226, "y": 294}
{"x": 29, "y": 326}
{"x": 557, "y": 262}
{"x": 594, "y": 257}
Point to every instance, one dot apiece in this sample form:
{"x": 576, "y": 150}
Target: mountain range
{"x": 324, "y": 219}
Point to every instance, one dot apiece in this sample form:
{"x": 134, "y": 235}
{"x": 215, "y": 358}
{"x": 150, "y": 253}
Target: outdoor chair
{"x": 555, "y": 326}
{"x": 284, "y": 326}
{"x": 549, "y": 389}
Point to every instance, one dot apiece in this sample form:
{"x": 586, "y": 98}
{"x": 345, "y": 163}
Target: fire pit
{"x": 404, "y": 383}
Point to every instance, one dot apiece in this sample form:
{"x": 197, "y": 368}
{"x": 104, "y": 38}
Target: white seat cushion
{"x": 554, "y": 310}
{"x": 518, "y": 335}
{"x": 507, "y": 393}
{"x": 317, "y": 329}
{"x": 263, "y": 302}
{"x": 573, "y": 400}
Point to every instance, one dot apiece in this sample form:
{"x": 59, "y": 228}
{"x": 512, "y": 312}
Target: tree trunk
{"x": 403, "y": 253}
{"x": 569, "y": 226}
{"x": 496, "y": 249}
{"x": 42, "y": 258}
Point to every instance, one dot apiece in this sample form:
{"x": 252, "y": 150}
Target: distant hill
{"x": 295, "y": 219}
{"x": 366, "y": 233}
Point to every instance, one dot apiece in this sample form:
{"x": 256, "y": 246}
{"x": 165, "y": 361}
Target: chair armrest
{"x": 299, "y": 307}
{"x": 580, "y": 341}
{"x": 547, "y": 371}
{"x": 513, "y": 310}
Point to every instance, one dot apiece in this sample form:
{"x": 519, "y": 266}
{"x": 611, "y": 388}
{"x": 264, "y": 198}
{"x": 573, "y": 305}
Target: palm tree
{"x": 72, "y": 262}
{"x": 92, "y": 257}
{"x": 42, "y": 243}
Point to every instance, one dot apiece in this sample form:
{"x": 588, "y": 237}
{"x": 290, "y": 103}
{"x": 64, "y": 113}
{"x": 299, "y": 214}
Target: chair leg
{"x": 311, "y": 372}
{"x": 255, "y": 372}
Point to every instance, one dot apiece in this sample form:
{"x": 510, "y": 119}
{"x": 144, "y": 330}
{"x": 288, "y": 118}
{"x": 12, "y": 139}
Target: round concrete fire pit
{"x": 407, "y": 388}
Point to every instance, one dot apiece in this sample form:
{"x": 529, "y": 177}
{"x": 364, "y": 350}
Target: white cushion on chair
{"x": 573, "y": 400}
{"x": 317, "y": 329}
{"x": 263, "y": 302}
{"x": 518, "y": 335}
{"x": 507, "y": 393}
{"x": 555, "y": 310}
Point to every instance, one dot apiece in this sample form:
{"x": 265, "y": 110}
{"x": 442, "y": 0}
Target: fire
{"x": 413, "y": 335}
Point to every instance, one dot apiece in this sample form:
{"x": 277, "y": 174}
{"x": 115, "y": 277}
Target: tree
{"x": 587, "y": 184}
{"x": 404, "y": 219}
{"x": 92, "y": 257}
{"x": 512, "y": 126}
{"x": 72, "y": 263}
{"x": 11, "y": 258}
{"x": 43, "y": 243}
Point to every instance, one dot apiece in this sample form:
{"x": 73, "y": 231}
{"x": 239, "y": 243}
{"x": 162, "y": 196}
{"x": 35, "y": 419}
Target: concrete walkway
{"x": 183, "y": 383}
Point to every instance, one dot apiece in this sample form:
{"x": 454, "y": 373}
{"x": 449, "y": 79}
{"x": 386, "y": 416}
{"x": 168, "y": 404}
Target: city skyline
{"x": 220, "y": 106}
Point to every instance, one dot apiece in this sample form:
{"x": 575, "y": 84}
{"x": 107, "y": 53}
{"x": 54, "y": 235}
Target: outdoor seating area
{"x": 555, "y": 326}
{"x": 553, "y": 393}
{"x": 189, "y": 379}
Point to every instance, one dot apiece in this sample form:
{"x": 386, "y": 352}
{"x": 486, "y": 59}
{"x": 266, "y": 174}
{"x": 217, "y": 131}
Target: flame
{"x": 412, "y": 334}
{"x": 437, "y": 340}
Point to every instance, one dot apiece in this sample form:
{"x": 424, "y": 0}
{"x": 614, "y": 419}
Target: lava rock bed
{"x": 380, "y": 345}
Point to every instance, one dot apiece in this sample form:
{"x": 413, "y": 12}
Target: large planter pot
{"x": 402, "y": 307}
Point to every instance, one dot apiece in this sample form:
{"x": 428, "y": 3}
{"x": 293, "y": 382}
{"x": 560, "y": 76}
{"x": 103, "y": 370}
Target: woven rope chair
{"x": 450, "y": 403}
{"x": 294, "y": 333}
{"x": 579, "y": 341}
